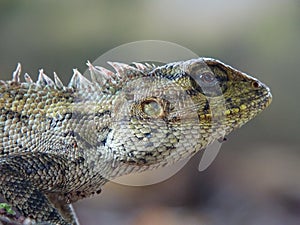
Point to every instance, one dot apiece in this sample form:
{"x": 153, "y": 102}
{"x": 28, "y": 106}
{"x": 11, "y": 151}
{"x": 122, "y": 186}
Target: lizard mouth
{"x": 269, "y": 100}
{"x": 268, "y": 97}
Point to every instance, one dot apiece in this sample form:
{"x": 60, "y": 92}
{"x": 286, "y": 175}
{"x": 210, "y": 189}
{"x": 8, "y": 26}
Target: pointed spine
{"x": 140, "y": 66}
{"x": 105, "y": 72}
{"x": 16, "y": 74}
{"x": 28, "y": 78}
{"x": 58, "y": 84}
{"x": 44, "y": 80}
{"x": 96, "y": 75}
{"x": 41, "y": 82}
{"x": 78, "y": 81}
{"x": 123, "y": 69}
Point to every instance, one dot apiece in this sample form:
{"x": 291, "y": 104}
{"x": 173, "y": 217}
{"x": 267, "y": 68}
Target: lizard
{"x": 61, "y": 143}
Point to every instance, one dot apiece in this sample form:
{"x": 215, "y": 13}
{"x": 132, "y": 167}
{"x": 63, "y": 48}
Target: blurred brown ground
{"x": 255, "y": 178}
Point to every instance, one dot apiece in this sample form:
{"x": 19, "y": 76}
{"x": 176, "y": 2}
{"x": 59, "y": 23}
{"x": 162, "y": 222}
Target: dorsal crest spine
{"x": 101, "y": 78}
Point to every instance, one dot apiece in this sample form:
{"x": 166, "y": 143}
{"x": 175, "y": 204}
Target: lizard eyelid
{"x": 208, "y": 84}
{"x": 207, "y": 79}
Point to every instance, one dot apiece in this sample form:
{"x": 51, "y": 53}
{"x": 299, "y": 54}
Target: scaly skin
{"x": 59, "y": 144}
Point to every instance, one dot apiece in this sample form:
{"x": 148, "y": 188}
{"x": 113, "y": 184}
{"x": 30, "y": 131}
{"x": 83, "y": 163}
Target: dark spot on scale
{"x": 24, "y": 117}
{"x": 229, "y": 100}
{"x": 53, "y": 123}
{"x": 148, "y": 154}
{"x": 148, "y": 135}
{"x": 175, "y": 119}
{"x": 98, "y": 192}
{"x": 79, "y": 160}
{"x": 139, "y": 138}
{"x": 101, "y": 114}
{"x": 71, "y": 133}
{"x": 130, "y": 154}
{"x": 29, "y": 171}
{"x": 103, "y": 142}
{"x": 206, "y": 107}
{"x": 169, "y": 148}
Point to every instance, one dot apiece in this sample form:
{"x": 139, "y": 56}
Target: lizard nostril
{"x": 255, "y": 84}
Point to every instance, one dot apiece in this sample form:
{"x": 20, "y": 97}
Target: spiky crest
{"x": 101, "y": 78}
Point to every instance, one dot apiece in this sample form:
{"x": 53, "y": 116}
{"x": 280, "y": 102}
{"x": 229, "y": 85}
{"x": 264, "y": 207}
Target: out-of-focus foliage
{"x": 254, "y": 179}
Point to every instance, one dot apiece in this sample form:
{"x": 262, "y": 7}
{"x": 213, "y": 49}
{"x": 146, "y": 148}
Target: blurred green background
{"x": 255, "y": 178}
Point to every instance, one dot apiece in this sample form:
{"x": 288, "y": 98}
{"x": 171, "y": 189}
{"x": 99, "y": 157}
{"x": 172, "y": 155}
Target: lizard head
{"x": 173, "y": 111}
{"x": 225, "y": 93}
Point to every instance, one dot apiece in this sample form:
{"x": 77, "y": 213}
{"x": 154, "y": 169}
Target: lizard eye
{"x": 207, "y": 83}
{"x": 153, "y": 108}
{"x": 207, "y": 79}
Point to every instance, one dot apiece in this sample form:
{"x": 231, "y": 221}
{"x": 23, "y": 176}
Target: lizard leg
{"x": 66, "y": 210}
{"x": 23, "y": 178}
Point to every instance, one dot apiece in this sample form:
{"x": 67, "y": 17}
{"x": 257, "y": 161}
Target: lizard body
{"x": 59, "y": 144}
